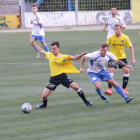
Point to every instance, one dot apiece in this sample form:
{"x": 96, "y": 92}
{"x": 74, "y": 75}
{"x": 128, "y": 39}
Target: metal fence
{"x": 83, "y": 5}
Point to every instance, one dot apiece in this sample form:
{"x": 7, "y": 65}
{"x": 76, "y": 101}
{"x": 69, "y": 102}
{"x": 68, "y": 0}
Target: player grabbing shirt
{"x": 60, "y": 65}
{"x": 96, "y": 71}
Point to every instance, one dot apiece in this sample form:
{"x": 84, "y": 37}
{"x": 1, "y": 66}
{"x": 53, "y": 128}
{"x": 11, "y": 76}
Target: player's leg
{"x": 35, "y": 38}
{"x": 125, "y": 79}
{"x": 94, "y": 77}
{"x": 79, "y": 91}
{"x": 53, "y": 83}
{"x": 111, "y": 70}
{"x": 42, "y": 40}
{"x": 119, "y": 90}
{"x": 45, "y": 95}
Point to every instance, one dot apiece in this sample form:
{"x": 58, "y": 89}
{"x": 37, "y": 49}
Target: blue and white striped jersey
{"x": 111, "y": 22}
{"x": 37, "y": 29}
{"x": 97, "y": 62}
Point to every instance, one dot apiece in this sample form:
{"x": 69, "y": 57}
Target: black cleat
{"x": 89, "y": 103}
{"x": 40, "y": 106}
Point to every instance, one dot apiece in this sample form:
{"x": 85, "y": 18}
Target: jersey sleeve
{"x": 128, "y": 42}
{"x": 122, "y": 22}
{"x": 47, "y": 54}
{"x": 89, "y": 56}
{"x": 112, "y": 57}
{"x": 108, "y": 41}
{"x": 39, "y": 18}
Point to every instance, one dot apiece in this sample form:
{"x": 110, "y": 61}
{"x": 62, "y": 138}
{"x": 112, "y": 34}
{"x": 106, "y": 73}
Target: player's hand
{"x": 31, "y": 39}
{"x": 139, "y": 33}
{"x": 31, "y": 21}
{"x": 103, "y": 30}
{"x": 84, "y": 53}
{"x": 81, "y": 70}
{"x": 133, "y": 61}
{"x": 130, "y": 67}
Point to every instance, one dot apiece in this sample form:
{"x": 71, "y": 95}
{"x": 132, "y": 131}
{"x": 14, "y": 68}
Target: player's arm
{"x": 35, "y": 22}
{"x": 76, "y": 57}
{"x": 123, "y": 64}
{"x": 105, "y": 27}
{"x": 82, "y": 64}
{"x": 40, "y": 50}
{"x": 132, "y": 56}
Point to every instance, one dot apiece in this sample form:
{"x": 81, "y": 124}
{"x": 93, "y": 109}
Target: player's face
{"x": 117, "y": 30}
{"x": 113, "y": 11}
{"x": 34, "y": 9}
{"x": 55, "y": 50}
{"x": 103, "y": 51}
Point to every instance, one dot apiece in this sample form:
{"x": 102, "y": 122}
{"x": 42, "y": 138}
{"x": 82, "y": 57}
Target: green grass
{"x": 23, "y": 78}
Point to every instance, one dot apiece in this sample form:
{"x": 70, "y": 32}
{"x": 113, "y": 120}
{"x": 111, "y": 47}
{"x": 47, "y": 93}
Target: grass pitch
{"x": 23, "y": 79}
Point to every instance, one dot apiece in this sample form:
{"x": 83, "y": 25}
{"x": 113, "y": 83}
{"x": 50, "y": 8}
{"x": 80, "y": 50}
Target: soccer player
{"x": 117, "y": 44}
{"x": 60, "y": 65}
{"x": 38, "y": 31}
{"x": 112, "y": 20}
{"x": 96, "y": 71}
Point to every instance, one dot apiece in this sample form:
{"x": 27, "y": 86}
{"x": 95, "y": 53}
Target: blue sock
{"x": 34, "y": 48}
{"x": 120, "y": 91}
{"x": 99, "y": 92}
{"x": 46, "y": 48}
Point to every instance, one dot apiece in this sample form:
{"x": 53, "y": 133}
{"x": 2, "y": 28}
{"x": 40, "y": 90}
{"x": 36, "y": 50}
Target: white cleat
{"x": 38, "y": 55}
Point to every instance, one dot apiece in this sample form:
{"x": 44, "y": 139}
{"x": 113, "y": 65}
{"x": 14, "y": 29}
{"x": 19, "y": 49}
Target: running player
{"x": 112, "y": 20}
{"x": 38, "y": 31}
{"x": 96, "y": 71}
{"x": 117, "y": 43}
{"x": 60, "y": 65}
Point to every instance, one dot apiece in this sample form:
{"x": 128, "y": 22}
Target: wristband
{"x": 35, "y": 22}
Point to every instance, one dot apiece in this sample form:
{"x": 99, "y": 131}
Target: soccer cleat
{"x": 109, "y": 91}
{"x": 38, "y": 55}
{"x": 89, "y": 103}
{"x": 105, "y": 99}
{"x": 40, "y": 106}
{"x": 125, "y": 91}
{"x": 128, "y": 99}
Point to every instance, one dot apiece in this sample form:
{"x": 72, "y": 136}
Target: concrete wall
{"x": 84, "y": 18}
{"x": 9, "y": 7}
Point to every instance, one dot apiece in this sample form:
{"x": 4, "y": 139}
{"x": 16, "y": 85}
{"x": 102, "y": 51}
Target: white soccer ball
{"x": 26, "y": 108}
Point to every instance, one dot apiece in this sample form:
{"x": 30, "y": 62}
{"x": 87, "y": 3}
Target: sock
{"x": 120, "y": 91}
{"x": 46, "y": 48}
{"x": 110, "y": 86}
{"x": 34, "y": 48}
{"x": 81, "y": 94}
{"x": 125, "y": 80}
{"x": 45, "y": 101}
{"x": 99, "y": 92}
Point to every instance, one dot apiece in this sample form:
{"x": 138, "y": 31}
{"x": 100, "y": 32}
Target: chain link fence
{"x": 83, "y": 5}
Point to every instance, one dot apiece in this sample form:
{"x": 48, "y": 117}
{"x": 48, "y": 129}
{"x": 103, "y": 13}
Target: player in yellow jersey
{"x": 60, "y": 65}
{"x": 117, "y": 42}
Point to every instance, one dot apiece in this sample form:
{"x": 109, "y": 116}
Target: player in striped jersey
{"x": 112, "y": 20}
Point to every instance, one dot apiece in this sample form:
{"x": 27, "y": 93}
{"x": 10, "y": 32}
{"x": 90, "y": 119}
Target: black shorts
{"x": 59, "y": 79}
{"x": 113, "y": 64}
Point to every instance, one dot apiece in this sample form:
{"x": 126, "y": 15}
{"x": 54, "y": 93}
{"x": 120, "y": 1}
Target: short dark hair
{"x": 55, "y": 43}
{"x": 104, "y": 45}
{"x": 34, "y": 5}
{"x": 114, "y": 7}
{"x": 118, "y": 24}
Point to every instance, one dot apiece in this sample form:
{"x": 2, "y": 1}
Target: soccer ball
{"x": 26, "y": 108}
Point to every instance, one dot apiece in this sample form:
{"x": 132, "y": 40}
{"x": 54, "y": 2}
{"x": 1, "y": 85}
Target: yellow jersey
{"x": 60, "y": 65}
{"x": 118, "y": 45}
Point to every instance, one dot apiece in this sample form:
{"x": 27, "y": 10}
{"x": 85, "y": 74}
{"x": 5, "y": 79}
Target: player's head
{"x": 113, "y": 10}
{"x": 55, "y": 47}
{"x": 117, "y": 29}
{"x": 34, "y": 8}
{"x": 103, "y": 49}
